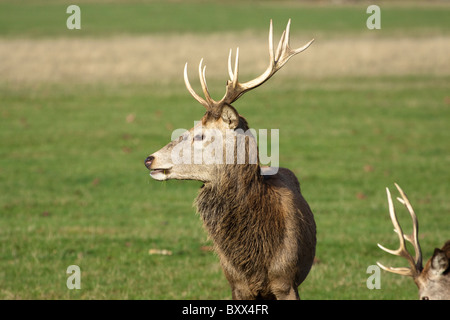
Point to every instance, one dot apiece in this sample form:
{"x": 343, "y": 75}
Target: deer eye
{"x": 199, "y": 137}
{"x": 425, "y": 298}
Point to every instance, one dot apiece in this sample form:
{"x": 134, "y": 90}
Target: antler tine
{"x": 401, "y": 251}
{"x": 230, "y": 71}
{"x": 288, "y": 29}
{"x": 281, "y": 49}
{"x": 191, "y": 91}
{"x": 202, "y": 76}
{"x": 286, "y": 51}
{"x": 272, "y": 60}
{"x": 402, "y": 271}
{"x": 234, "y": 74}
{"x": 414, "y": 237}
{"x": 396, "y": 224}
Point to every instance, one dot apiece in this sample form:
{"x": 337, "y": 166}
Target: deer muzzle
{"x": 156, "y": 173}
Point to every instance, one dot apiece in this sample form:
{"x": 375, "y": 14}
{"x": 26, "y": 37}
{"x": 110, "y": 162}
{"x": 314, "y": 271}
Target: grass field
{"x": 80, "y": 110}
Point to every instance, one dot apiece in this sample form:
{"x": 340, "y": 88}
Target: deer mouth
{"x": 159, "y": 174}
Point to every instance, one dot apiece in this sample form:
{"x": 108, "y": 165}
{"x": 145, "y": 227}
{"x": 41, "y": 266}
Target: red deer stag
{"x": 262, "y": 228}
{"x": 433, "y": 281}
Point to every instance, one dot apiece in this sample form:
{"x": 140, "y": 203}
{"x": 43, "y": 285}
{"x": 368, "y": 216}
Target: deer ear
{"x": 439, "y": 262}
{"x": 230, "y": 116}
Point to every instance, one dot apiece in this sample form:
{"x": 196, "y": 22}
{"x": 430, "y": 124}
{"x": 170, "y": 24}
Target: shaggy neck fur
{"x": 241, "y": 217}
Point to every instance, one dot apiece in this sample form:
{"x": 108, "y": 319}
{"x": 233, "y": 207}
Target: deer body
{"x": 262, "y": 228}
{"x": 263, "y": 231}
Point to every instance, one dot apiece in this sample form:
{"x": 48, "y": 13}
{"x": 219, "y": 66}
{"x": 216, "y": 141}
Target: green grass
{"x": 48, "y": 18}
{"x": 74, "y": 189}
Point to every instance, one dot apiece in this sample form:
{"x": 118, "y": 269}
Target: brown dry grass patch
{"x": 161, "y": 58}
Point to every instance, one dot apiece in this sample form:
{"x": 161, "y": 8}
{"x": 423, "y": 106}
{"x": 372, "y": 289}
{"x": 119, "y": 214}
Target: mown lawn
{"x": 106, "y": 18}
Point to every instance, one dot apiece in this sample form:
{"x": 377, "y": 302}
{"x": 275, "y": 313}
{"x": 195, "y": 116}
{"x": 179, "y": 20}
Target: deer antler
{"x": 234, "y": 89}
{"x": 415, "y": 263}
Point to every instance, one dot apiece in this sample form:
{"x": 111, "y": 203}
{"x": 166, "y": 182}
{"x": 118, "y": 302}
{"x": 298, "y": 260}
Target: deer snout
{"x": 148, "y": 161}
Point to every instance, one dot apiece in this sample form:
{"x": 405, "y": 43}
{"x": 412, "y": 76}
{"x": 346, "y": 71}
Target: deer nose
{"x": 148, "y": 161}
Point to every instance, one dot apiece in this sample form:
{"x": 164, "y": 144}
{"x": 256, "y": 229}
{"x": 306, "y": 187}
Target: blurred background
{"x": 80, "y": 110}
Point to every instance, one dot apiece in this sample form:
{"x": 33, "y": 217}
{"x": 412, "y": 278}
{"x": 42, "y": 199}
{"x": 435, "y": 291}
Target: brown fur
{"x": 434, "y": 280}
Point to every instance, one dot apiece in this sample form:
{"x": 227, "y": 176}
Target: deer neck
{"x": 232, "y": 185}
{"x": 235, "y": 210}
{"x": 234, "y": 180}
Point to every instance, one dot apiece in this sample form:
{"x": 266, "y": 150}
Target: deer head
{"x": 222, "y": 134}
{"x": 433, "y": 280}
